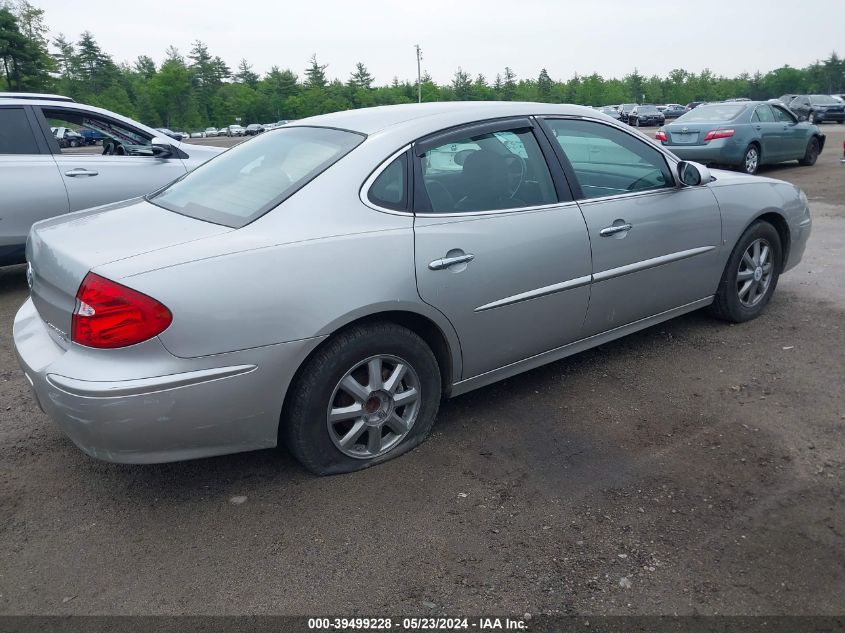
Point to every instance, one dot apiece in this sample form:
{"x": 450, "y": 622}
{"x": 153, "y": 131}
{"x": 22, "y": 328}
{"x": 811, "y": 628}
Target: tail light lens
{"x": 661, "y": 136}
{"x": 109, "y": 315}
{"x": 712, "y": 135}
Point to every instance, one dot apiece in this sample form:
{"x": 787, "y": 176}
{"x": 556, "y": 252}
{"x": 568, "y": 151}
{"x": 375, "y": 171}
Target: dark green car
{"x": 742, "y": 135}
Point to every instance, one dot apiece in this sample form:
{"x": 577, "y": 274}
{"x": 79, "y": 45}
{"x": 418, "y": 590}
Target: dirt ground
{"x": 693, "y": 468}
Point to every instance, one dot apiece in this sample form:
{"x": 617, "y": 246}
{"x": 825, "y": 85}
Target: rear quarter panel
{"x": 315, "y": 263}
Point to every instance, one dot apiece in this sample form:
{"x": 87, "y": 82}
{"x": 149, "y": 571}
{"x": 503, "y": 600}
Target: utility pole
{"x": 419, "y": 73}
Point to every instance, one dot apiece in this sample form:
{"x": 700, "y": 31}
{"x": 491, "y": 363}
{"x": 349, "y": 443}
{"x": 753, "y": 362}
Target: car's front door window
{"x": 783, "y": 116}
{"x": 87, "y": 133}
{"x": 763, "y": 114}
{"x": 608, "y": 161}
{"x": 497, "y": 170}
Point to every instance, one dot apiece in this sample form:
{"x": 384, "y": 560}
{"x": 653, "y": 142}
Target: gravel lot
{"x": 693, "y": 468}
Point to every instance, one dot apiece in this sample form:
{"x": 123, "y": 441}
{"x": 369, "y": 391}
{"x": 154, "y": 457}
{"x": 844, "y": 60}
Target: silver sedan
{"x": 325, "y": 284}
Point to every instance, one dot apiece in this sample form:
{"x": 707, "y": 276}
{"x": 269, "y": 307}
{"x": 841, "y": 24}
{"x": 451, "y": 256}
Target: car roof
{"x": 30, "y": 96}
{"x": 437, "y": 115}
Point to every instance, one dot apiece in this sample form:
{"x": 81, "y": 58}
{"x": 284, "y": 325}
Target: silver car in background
{"x": 323, "y": 285}
{"x": 41, "y": 177}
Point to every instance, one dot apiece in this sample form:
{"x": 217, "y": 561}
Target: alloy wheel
{"x": 754, "y": 275}
{"x": 373, "y": 407}
{"x": 752, "y": 159}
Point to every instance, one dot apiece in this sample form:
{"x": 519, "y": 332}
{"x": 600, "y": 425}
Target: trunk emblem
{"x": 685, "y": 130}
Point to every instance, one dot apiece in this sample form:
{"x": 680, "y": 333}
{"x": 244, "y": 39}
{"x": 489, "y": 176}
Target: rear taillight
{"x": 661, "y": 136}
{"x": 712, "y": 135}
{"x": 109, "y": 315}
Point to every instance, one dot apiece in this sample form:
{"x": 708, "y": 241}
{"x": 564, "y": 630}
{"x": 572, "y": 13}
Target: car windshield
{"x": 628, "y": 106}
{"x": 245, "y": 182}
{"x": 647, "y": 109}
{"x": 823, "y": 100}
{"x": 714, "y": 112}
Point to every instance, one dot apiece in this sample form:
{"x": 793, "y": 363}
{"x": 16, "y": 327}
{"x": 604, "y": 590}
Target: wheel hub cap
{"x": 754, "y": 274}
{"x": 373, "y": 407}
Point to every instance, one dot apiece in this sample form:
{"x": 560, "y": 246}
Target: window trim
{"x": 474, "y": 128}
{"x": 671, "y": 161}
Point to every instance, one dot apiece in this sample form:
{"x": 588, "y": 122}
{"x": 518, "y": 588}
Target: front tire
{"x": 370, "y": 394}
{"x": 811, "y": 155}
{"x": 750, "y": 276}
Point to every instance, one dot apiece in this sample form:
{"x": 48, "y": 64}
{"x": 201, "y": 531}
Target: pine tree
{"x": 544, "y": 85}
{"x": 461, "y": 85}
{"x": 361, "y": 77}
{"x": 315, "y": 74}
{"x": 245, "y": 75}
{"x": 508, "y": 89}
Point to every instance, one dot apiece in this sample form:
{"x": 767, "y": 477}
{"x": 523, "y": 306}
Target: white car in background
{"x": 40, "y": 179}
{"x": 231, "y": 130}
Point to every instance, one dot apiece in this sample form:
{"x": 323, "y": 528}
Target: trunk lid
{"x": 62, "y": 250}
{"x": 690, "y": 133}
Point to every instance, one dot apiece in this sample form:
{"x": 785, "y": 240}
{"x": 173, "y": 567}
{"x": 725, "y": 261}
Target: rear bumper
{"x": 720, "y": 151}
{"x": 158, "y": 408}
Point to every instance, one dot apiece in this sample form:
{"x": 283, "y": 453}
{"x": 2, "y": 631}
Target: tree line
{"x": 199, "y": 89}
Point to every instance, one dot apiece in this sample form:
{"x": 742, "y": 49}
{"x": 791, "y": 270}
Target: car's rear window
{"x": 714, "y": 112}
{"x": 247, "y": 181}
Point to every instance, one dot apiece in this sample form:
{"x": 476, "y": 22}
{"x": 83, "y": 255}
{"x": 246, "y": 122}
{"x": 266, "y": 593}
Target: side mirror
{"x": 802, "y": 118}
{"x": 161, "y": 147}
{"x": 693, "y": 174}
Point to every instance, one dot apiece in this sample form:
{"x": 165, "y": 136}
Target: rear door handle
{"x": 445, "y": 262}
{"x": 79, "y": 171}
{"x": 616, "y": 228}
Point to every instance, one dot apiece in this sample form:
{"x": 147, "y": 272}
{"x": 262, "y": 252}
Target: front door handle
{"x": 616, "y": 228}
{"x": 79, "y": 171}
{"x": 445, "y": 262}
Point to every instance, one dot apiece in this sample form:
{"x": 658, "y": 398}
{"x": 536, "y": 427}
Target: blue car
{"x": 743, "y": 135}
{"x": 92, "y": 137}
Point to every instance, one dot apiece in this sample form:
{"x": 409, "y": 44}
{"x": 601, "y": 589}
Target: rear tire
{"x": 743, "y": 292}
{"x": 812, "y": 153}
{"x": 750, "y": 160}
{"x": 383, "y": 361}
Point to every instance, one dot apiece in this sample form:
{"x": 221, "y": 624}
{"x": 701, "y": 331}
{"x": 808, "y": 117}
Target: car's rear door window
{"x": 16, "y": 135}
{"x": 608, "y": 161}
{"x": 245, "y": 182}
{"x": 501, "y": 169}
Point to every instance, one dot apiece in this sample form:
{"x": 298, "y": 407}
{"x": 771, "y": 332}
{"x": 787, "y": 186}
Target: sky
{"x": 609, "y": 37}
